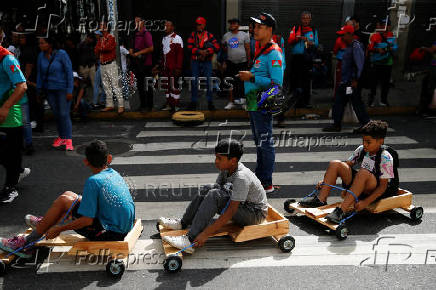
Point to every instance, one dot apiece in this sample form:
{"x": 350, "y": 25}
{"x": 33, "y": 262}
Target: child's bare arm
{"x": 79, "y": 223}
{"x": 79, "y": 98}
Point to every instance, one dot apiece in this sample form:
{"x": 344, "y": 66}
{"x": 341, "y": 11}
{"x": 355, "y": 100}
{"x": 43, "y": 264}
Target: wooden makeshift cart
{"x": 275, "y": 225}
{"x": 115, "y": 250}
{"x": 403, "y": 201}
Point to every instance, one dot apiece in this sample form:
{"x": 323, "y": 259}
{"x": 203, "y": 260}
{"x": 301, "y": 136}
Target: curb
{"x": 239, "y": 114}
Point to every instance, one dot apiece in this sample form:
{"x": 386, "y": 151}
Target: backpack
{"x": 394, "y": 183}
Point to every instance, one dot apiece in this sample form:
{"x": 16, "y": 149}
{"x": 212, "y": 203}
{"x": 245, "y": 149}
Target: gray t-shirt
{"x": 235, "y": 46}
{"x": 246, "y": 187}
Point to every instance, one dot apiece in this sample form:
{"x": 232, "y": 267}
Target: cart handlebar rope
{"x": 339, "y": 188}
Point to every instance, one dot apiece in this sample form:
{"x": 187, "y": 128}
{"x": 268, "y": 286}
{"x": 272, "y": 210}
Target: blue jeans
{"x": 204, "y": 69}
{"x": 341, "y": 100}
{"x": 98, "y": 86}
{"x": 261, "y": 125}
{"x": 61, "y": 110}
{"x": 26, "y": 124}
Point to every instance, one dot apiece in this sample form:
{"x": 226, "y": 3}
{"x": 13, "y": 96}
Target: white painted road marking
{"x": 357, "y": 250}
{"x": 343, "y": 140}
{"x": 280, "y": 178}
{"x": 421, "y": 153}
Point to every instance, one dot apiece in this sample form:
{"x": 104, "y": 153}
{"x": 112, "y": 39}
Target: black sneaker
{"x": 210, "y": 106}
{"x": 311, "y": 201}
{"x": 332, "y": 128}
{"x": 8, "y": 194}
{"x": 336, "y": 216}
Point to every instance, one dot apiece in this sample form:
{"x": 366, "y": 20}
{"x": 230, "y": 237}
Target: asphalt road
{"x": 318, "y": 260}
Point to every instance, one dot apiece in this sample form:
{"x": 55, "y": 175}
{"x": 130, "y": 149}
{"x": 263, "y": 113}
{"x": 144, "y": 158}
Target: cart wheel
{"x": 173, "y": 264}
{"x": 286, "y": 205}
{"x": 2, "y": 268}
{"x": 286, "y": 244}
{"x": 341, "y": 232}
{"x": 416, "y": 213}
{"x": 115, "y": 268}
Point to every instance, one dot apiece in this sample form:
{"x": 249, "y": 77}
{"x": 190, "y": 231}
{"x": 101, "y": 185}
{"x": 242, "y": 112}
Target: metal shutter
{"x": 326, "y": 15}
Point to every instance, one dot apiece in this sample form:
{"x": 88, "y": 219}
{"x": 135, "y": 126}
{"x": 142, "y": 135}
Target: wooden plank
{"x": 134, "y": 234}
{"x": 119, "y": 249}
{"x": 333, "y": 205}
{"x": 264, "y": 230}
{"x": 322, "y": 220}
{"x": 319, "y": 213}
{"x": 168, "y": 232}
{"x": 62, "y": 240}
{"x": 273, "y": 214}
{"x": 6, "y": 259}
{"x": 400, "y": 201}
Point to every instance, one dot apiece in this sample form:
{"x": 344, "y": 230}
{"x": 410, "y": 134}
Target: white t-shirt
{"x": 168, "y": 40}
{"x": 368, "y": 163}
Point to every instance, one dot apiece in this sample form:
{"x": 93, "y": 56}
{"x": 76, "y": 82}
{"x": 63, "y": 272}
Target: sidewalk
{"x": 403, "y": 99}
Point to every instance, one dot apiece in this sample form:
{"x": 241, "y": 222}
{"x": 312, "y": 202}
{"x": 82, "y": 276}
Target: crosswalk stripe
{"x": 242, "y": 132}
{"x": 232, "y": 124}
{"x": 220, "y": 253}
{"x": 163, "y": 146}
{"x": 149, "y": 211}
{"x": 280, "y": 178}
{"x": 280, "y": 157}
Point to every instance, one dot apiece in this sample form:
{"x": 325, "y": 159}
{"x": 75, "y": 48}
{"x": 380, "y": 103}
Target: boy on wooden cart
{"x": 105, "y": 211}
{"x": 370, "y": 174}
{"x": 238, "y": 195}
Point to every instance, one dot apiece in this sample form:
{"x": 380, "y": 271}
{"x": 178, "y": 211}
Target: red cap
{"x": 200, "y": 20}
{"x": 346, "y": 29}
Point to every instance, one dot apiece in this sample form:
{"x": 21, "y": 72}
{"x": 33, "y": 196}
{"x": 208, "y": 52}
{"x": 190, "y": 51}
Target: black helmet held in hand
{"x": 272, "y": 100}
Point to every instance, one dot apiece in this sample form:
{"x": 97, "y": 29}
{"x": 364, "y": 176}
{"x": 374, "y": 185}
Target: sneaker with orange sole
{"x": 69, "y": 145}
{"x": 58, "y": 142}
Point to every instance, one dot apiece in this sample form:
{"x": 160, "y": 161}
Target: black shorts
{"x": 96, "y": 232}
{"x": 388, "y": 193}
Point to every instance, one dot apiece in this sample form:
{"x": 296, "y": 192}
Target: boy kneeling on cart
{"x": 105, "y": 211}
{"x": 238, "y": 195}
{"x": 368, "y": 174}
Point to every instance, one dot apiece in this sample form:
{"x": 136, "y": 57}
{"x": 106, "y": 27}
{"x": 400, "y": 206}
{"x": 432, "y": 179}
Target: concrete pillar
{"x": 232, "y": 9}
{"x": 401, "y": 15}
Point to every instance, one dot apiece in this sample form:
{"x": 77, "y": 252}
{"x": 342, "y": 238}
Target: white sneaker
{"x": 240, "y": 101}
{"x": 24, "y": 174}
{"x": 170, "y": 223}
{"x": 179, "y": 242}
{"x": 166, "y": 108}
{"x": 229, "y": 106}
